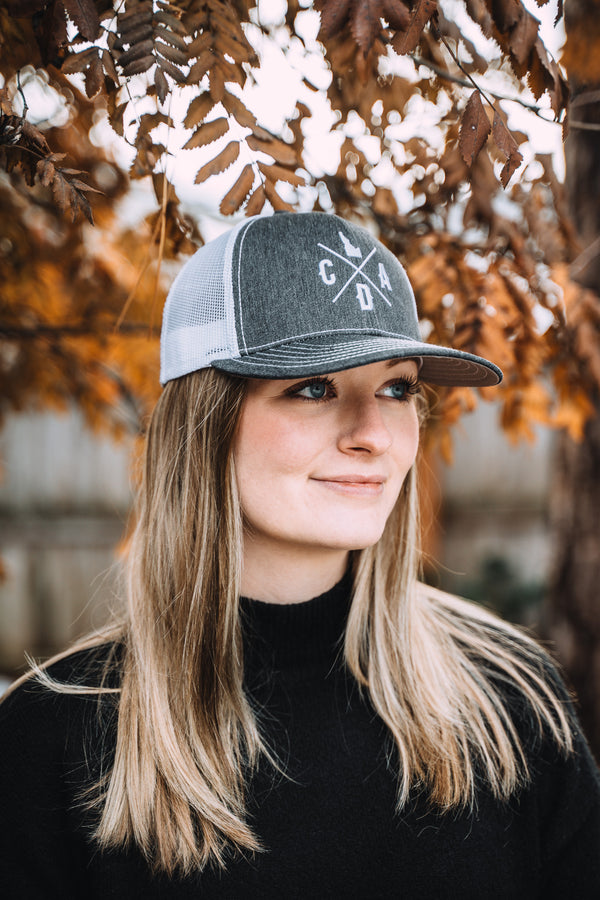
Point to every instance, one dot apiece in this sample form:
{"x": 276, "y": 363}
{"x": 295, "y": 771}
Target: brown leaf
{"x": 480, "y": 13}
{"x": 116, "y": 112}
{"x": 406, "y": 42}
{"x": 274, "y": 199}
{"x": 77, "y": 62}
{"x": 239, "y": 52}
{"x": 523, "y": 37}
{"x": 198, "y": 109}
{"x": 150, "y": 121}
{"x": 365, "y": 23}
{"x": 256, "y": 201}
{"x": 34, "y": 138}
{"x": 109, "y": 66}
{"x": 204, "y": 62}
{"x": 239, "y": 111}
{"x": 216, "y": 84}
{"x": 396, "y": 13}
{"x": 171, "y": 21}
{"x": 231, "y": 72}
{"x": 161, "y": 84}
{"x": 172, "y": 70}
{"x": 507, "y": 13}
{"x": 173, "y": 54}
{"x": 278, "y": 173}
{"x": 45, "y": 172}
{"x": 236, "y": 195}
{"x": 203, "y": 42}
{"x": 137, "y": 15}
{"x": 169, "y": 37}
{"x": 136, "y": 51}
{"x": 280, "y": 151}
{"x": 207, "y": 133}
{"x": 140, "y": 33}
{"x": 139, "y": 66}
{"x": 94, "y": 78}
{"x": 220, "y": 163}
{"x": 60, "y": 189}
{"x": 334, "y": 14}
{"x": 83, "y": 13}
{"x": 507, "y": 144}
{"x": 474, "y": 129}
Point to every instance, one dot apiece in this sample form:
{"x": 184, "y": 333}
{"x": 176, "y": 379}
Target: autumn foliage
{"x": 483, "y": 231}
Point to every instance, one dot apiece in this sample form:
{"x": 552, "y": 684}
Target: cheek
{"x": 267, "y": 447}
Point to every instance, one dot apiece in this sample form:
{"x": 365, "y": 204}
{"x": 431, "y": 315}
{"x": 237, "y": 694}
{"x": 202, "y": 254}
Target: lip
{"x": 354, "y": 484}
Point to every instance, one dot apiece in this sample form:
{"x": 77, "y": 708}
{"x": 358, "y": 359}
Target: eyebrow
{"x": 395, "y": 362}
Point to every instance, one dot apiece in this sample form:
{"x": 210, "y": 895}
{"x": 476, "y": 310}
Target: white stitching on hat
{"x": 357, "y": 270}
{"x": 251, "y": 222}
{"x": 310, "y": 334}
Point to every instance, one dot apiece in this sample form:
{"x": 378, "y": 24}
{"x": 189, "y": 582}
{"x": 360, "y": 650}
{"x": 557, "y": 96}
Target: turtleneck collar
{"x": 292, "y": 634}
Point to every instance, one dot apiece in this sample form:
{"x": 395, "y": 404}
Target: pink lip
{"x": 359, "y": 485}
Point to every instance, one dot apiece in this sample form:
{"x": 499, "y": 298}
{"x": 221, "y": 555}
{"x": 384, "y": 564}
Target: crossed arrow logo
{"x": 363, "y": 287}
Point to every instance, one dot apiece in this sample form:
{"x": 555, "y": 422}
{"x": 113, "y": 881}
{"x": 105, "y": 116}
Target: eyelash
{"x": 411, "y": 384}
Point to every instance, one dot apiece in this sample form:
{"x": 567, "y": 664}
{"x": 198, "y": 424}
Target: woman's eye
{"x": 315, "y": 391}
{"x": 400, "y": 390}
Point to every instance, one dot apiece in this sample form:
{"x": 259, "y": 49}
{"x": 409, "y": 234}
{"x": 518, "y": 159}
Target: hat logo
{"x": 364, "y": 294}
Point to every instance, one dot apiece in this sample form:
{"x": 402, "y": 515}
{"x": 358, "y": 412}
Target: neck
{"x": 282, "y": 576}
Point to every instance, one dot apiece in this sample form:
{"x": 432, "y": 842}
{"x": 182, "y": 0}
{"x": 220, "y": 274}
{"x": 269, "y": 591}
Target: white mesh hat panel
{"x": 199, "y": 317}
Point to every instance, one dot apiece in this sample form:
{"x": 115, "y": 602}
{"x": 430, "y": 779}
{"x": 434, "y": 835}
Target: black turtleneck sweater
{"x": 329, "y": 828}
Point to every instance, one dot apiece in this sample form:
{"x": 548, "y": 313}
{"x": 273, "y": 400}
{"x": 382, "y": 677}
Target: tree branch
{"x": 470, "y": 82}
{"x": 92, "y": 330}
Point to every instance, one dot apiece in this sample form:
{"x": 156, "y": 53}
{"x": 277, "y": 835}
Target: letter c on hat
{"x": 327, "y": 277}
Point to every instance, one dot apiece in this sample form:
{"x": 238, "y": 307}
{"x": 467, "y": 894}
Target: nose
{"x": 363, "y": 428}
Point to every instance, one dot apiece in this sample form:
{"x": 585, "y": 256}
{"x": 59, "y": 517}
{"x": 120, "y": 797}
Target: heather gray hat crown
{"x": 300, "y": 294}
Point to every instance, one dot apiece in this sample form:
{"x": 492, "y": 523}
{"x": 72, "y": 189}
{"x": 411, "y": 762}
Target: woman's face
{"x": 320, "y": 461}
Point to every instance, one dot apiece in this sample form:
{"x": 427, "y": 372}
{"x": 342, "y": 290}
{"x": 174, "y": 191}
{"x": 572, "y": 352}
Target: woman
{"x": 284, "y": 711}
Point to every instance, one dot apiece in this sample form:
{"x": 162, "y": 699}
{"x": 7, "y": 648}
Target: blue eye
{"x": 315, "y": 391}
{"x": 400, "y": 390}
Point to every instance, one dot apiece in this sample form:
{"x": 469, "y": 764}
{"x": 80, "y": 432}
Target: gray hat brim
{"x": 319, "y": 356}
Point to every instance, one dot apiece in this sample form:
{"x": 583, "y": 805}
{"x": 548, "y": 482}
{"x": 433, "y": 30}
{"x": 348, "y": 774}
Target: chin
{"x": 354, "y": 540}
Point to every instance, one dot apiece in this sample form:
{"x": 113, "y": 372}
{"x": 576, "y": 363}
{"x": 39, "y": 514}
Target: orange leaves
{"x": 486, "y": 307}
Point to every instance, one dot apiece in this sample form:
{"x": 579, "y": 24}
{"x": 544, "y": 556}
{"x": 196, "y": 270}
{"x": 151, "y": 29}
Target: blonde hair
{"x": 188, "y": 737}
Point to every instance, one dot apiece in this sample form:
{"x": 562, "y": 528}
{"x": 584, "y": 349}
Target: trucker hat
{"x": 300, "y": 294}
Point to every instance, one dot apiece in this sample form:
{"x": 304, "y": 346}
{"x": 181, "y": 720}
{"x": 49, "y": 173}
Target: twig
{"x": 470, "y": 82}
{"x": 20, "y": 90}
{"x": 586, "y": 256}
{"x": 464, "y": 71}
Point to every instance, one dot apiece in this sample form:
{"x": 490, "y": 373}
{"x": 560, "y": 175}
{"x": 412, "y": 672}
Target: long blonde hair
{"x": 188, "y": 736}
